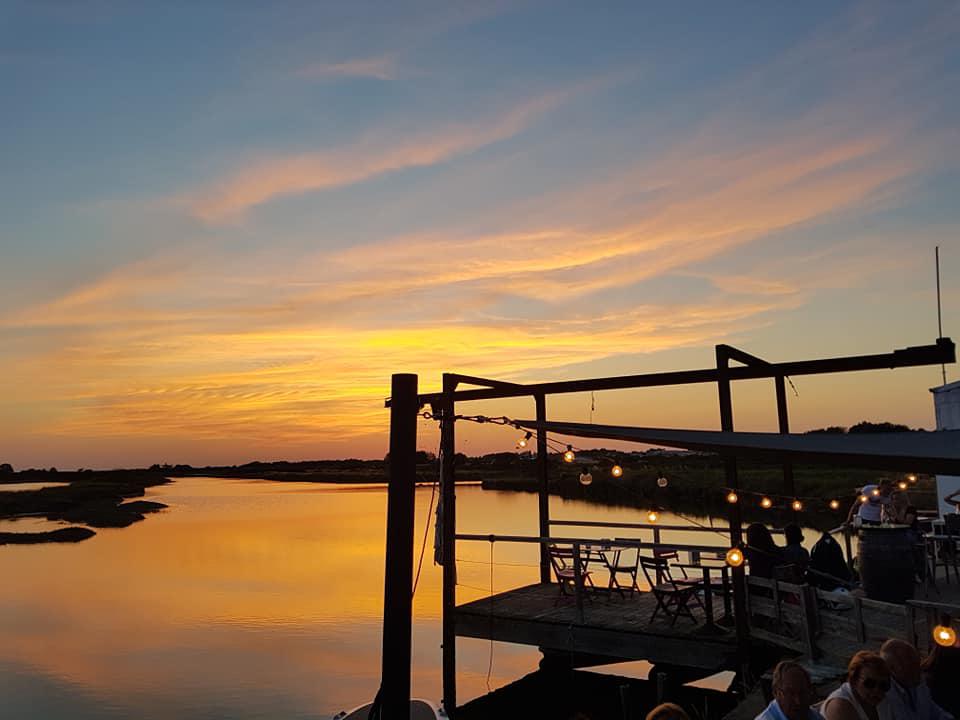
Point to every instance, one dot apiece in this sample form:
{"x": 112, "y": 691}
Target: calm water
{"x": 249, "y": 599}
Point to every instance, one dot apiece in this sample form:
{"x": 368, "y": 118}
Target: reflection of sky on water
{"x": 15, "y": 487}
{"x": 249, "y": 599}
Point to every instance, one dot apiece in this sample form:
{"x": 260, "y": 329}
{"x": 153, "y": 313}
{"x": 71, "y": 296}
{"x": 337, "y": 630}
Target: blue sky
{"x": 224, "y": 225}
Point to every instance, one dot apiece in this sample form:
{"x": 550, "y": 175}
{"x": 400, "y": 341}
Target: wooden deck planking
{"x": 613, "y": 626}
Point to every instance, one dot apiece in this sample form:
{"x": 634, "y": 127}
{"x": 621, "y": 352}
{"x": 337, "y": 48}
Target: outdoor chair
{"x": 944, "y": 552}
{"x": 622, "y": 561}
{"x": 673, "y": 598}
{"x": 562, "y": 561}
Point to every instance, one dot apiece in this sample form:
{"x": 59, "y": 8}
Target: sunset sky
{"x": 225, "y": 225}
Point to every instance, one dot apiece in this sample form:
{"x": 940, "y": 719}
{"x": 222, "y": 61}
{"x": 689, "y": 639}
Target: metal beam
{"x": 943, "y": 351}
{"x": 448, "y": 501}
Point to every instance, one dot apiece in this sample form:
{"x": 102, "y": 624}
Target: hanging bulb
{"x": 796, "y": 505}
{"x": 864, "y": 498}
{"x": 834, "y": 504}
{"x": 661, "y": 481}
{"x": 732, "y": 497}
{"x": 616, "y": 471}
{"x": 652, "y": 516}
{"x": 945, "y": 636}
{"x": 524, "y": 441}
{"x": 568, "y": 456}
{"x": 586, "y": 478}
{"x": 875, "y": 492}
{"x": 734, "y": 557}
{"x": 912, "y": 478}
{"x": 902, "y": 485}
{"x": 766, "y": 503}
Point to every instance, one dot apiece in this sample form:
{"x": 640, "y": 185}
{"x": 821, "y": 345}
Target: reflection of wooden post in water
{"x": 448, "y": 544}
{"x": 398, "y": 578}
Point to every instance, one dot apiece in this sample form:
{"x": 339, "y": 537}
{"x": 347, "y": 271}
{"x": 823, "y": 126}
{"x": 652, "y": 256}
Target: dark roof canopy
{"x": 929, "y": 452}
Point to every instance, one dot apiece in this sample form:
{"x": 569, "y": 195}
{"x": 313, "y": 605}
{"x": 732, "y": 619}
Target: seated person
{"x": 792, "y": 694}
{"x": 909, "y": 696}
{"x": 795, "y": 553}
{"x": 828, "y": 570}
{"x": 762, "y": 552}
{"x": 864, "y": 695}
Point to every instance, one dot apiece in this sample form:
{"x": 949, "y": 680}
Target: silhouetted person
{"x": 828, "y": 569}
{"x": 870, "y": 503}
{"x": 762, "y": 552}
{"x": 795, "y": 553}
{"x": 941, "y": 668}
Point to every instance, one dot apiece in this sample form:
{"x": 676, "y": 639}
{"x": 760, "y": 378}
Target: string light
{"x": 734, "y": 557}
{"x": 568, "y": 456}
{"x": 586, "y": 478}
{"x": 661, "y": 481}
{"x": 902, "y": 485}
{"x": 945, "y": 636}
{"x": 732, "y": 497}
{"x": 766, "y": 503}
{"x": 616, "y": 471}
{"x": 875, "y": 492}
{"x": 653, "y": 516}
{"x": 796, "y": 505}
{"x": 834, "y": 504}
{"x": 522, "y": 442}
{"x": 912, "y": 478}
{"x": 864, "y": 498}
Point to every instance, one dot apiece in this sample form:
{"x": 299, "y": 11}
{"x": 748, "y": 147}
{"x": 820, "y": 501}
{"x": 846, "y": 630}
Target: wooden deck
{"x": 612, "y": 626}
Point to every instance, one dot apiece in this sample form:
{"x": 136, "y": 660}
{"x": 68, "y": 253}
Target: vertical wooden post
{"x": 448, "y": 532}
{"x": 578, "y": 581}
{"x": 398, "y": 577}
{"x": 784, "y": 427}
{"x": 736, "y": 530}
{"x": 543, "y": 485}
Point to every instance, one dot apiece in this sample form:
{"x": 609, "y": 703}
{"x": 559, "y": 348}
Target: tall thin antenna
{"x": 943, "y": 367}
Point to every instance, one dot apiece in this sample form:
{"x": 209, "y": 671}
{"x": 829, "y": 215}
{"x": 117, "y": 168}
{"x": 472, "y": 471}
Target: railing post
{"x": 448, "y": 532}
{"x": 543, "y": 485}
{"x": 783, "y": 421}
{"x": 398, "y": 576}
{"x": 578, "y": 581}
{"x": 736, "y": 531}
{"x": 847, "y": 545}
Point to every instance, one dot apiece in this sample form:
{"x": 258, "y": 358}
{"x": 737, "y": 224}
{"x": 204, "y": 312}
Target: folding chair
{"x": 561, "y": 559}
{"x": 622, "y": 561}
{"x": 672, "y": 598}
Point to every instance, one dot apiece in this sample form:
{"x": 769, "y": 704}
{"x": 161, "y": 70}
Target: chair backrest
{"x": 560, "y": 558}
{"x": 658, "y": 566}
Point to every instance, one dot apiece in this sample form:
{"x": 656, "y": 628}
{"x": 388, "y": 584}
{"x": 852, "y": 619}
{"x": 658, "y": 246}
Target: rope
{"x": 490, "y": 606}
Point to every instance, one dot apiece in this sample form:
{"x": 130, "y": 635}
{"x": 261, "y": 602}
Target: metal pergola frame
{"x": 405, "y": 402}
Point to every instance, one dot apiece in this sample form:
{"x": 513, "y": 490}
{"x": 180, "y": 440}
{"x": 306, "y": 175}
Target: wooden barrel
{"x": 886, "y": 562}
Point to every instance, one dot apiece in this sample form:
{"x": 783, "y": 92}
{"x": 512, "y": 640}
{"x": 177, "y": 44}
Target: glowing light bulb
{"x": 586, "y": 478}
{"x": 945, "y": 636}
{"x": 661, "y": 481}
{"x": 796, "y": 505}
{"x": 652, "y": 516}
{"x": 875, "y": 492}
{"x": 902, "y": 485}
{"x": 864, "y": 498}
{"x": 732, "y": 497}
{"x": 912, "y": 478}
{"x": 766, "y": 503}
{"x": 568, "y": 456}
{"x": 834, "y": 504}
{"x": 616, "y": 471}
{"x": 522, "y": 442}
{"x": 734, "y": 557}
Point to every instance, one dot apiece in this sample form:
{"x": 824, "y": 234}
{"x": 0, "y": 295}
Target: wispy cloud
{"x": 383, "y": 67}
{"x": 262, "y": 180}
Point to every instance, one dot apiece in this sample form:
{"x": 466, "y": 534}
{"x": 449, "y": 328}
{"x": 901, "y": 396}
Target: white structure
{"x": 946, "y": 402}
